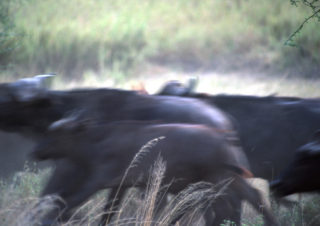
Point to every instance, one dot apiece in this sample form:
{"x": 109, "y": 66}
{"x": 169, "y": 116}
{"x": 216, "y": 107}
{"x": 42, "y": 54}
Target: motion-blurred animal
{"x": 28, "y": 108}
{"x": 270, "y": 128}
{"x": 99, "y": 154}
{"x": 302, "y": 174}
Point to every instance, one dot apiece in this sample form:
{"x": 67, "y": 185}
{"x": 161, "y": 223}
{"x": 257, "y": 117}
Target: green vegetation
{"x": 19, "y": 194}
{"x": 8, "y": 37}
{"x": 118, "y": 38}
{"x": 314, "y": 5}
{"x": 305, "y": 211}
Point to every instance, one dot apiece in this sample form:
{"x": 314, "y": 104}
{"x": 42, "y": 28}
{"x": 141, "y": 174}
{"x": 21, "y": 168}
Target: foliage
{"x": 23, "y": 184}
{"x": 119, "y": 38}
{"x": 315, "y": 8}
{"x": 8, "y": 37}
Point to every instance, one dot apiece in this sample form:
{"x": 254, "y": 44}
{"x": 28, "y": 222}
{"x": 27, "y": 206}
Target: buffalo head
{"x": 302, "y": 174}
{"x": 23, "y": 102}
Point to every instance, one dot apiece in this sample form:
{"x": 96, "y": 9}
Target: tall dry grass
{"x": 134, "y": 210}
{"x": 21, "y": 206}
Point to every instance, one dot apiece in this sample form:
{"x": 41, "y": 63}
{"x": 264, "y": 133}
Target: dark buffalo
{"x": 32, "y": 110}
{"x": 302, "y": 174}
{"x": 99, "y": 155}
{"x": 14, "y": 147}
{"x": 270, "y": 128}
{"x": 28, "y": 109}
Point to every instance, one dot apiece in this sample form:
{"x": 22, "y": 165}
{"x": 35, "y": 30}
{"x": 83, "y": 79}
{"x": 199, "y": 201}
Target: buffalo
{"x": 99, "y": 154}
{"x": 301, "y": 175}
{"x": 270, "y": 128}
{"x": 28, "y": 108}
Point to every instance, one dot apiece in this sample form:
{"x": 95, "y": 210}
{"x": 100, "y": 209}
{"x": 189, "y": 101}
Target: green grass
{"x": 114, "y": 38}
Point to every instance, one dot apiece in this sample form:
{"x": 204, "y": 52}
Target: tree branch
{"x": 290, "y": 41}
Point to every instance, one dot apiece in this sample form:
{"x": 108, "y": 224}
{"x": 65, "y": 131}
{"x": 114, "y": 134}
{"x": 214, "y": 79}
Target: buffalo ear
{"x": 30, "y": 89}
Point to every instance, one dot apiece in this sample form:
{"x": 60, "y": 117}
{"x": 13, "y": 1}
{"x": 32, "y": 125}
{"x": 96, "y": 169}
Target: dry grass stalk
{"x": 137, "y": 158}
{"x": 194, "y": 200}
{"x": 146, "y": 211}
{"x": 133, "y": 211}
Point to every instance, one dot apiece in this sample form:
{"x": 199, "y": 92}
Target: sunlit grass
{"x": 212, "y": 83}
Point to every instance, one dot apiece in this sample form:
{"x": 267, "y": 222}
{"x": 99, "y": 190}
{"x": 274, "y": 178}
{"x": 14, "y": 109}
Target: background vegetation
{"x": 119, "y": 38}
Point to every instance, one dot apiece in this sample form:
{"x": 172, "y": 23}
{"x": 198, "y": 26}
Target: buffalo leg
{"x": 80, "y": 185}
{"x": 60, "y": 184}
{"x": 253, "y": 196}
{"x": 226, "y": 207}
{"x": 65, "y": 177}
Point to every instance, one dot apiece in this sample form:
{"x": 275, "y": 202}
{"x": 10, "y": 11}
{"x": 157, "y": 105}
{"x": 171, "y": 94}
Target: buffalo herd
{"x": 92, "y": 135}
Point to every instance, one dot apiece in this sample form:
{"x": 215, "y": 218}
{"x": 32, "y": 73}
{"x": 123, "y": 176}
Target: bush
{"x": 8, "y": 37}
{"x": 70, "y": 37}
